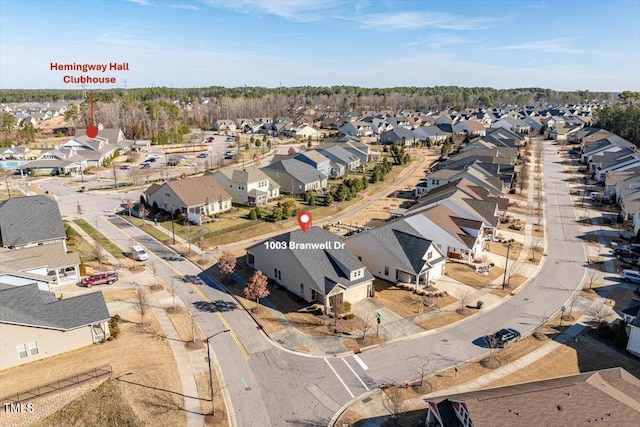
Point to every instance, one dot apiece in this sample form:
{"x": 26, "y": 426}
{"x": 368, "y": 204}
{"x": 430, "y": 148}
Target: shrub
{"x": 349, "y": 316}
{"x": 252, "y": 215}
{"x": 346, "y": 306}
{"x": 604, "y": 331}
{"x": 621, "y": 338}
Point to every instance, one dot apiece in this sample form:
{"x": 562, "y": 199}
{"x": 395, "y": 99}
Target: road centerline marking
{"x": 339, "y": 379}
{"x": 242, "y": 348}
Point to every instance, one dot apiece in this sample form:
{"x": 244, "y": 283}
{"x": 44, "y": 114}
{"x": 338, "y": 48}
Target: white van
{"x": 138, "y": 253}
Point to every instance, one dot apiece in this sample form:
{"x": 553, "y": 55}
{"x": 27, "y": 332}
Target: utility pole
{"x": 115, "y": 176}
{"x": 506, "y": 266}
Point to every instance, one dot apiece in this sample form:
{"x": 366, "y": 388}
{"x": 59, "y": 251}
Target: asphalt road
{"x": 271, "y": 386}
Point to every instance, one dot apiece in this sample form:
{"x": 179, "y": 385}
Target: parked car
{"x": 125, "y": 167}
{"x": 145, "y": 165}
{"x": 504, "y": 337}
{"x": 229, "y": 154}
{"x": 150, "y": 159}
{"x": 138, "y": 253}
{"x": 203, "y": 155}
{"x": 632, "y": 250}
{"x": 105, "y": 277}
{"x": 192, "y": 164}
{"x": 210, "y": 139}
{"x": 595, "y": 196}
{"x": 630, "y": 276}
{"x": 231, "y": 139}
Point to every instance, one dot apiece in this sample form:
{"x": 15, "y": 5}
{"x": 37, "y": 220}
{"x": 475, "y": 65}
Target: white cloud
{"x": 560, "y": 45}
{"x": 291, "y": 10}
{"x": 183, "y": 6}
{"x": 415, "y": 20}
{"x": 148, "y": 67}
{"x": 140, "y": 2}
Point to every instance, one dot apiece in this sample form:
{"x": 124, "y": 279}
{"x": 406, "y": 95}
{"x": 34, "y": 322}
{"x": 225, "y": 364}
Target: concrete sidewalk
{"x": 372, "y": 406}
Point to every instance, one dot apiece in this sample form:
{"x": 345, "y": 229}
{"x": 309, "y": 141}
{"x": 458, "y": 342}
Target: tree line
{"x": 337, "y": 98}
{"x": 622, "y": 118}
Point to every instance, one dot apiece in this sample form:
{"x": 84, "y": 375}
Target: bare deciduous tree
{"x": 202, "y": 244}
{"x": 190, "y": 233}
{"x": 257, "y": 287}
{"x": 227, "y": 263}
{"x": 535, "y": 247}
{"x": 141, "y": 303}
{"x": 173, "y": 288}
{"x": 423, "y": 367}
{"x": 591, "y": 277}
{"x": 599, "y": 313}
{"x": 366, "y": 324}
{"x": 512, "y": 268}
{"x": 463, "y": 297}
{"x": 394, "y": 403}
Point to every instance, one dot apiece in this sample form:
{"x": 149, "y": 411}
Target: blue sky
{"x": 562, "y": 45}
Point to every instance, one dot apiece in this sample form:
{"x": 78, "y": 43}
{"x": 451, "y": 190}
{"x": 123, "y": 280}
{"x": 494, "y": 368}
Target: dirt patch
{"x": 357, "y": 344}
{"x": 500, "y": 249}
{"x": 404, "y": 302}
{"x": 132, "y": 342}
{"x": 219, "y": 416}
{"x": 514, "y": 283}
{"x": 517, "y": 227}
{"x": 588, "y": 354}
{"x": 321, "y": 325}
{"x": 534, "y": 257}
{"x": 119, "y": 295}
{"x": 186, "y": 329}
{"x": 446, "y": 318}
{"x": 467, "y": 274}
{"x": 113, "y": 410}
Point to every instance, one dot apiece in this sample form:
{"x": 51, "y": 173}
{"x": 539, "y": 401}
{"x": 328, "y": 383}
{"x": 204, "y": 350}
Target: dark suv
{"x": 504, "y": 338}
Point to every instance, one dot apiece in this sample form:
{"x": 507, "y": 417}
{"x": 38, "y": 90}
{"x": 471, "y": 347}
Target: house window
{"x": 313, "y": 295}
{"x": 386, "y": 270}
{"x": 302, "y": 288}
{"x": 33, "y": 348}
{"x": 22, "y": 351}
{"x": 429, "y": 255}
{"x": 278, "y": 274}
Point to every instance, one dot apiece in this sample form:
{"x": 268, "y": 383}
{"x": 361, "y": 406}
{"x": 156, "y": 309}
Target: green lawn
{"x": 236, "y": 226}
{"x": 76, "y": 243}
{"x": 100, "y": 238}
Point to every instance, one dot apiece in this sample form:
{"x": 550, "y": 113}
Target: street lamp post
{"x": 173, "y": 227}
{"x": 213, "y": 409}
{"x": 506, "y": 265}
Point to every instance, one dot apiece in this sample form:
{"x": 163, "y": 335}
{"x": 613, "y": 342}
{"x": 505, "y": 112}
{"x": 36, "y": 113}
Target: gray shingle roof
{"x": 27, "y": 305}
{"x": 30, "y": 219}
{"x": 326, "y": 267}
{"x": 405, "y": 243}
{"x": 299, "y": 170}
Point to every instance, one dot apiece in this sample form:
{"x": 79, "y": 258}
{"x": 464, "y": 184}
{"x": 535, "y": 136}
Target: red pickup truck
{"x": 101, "y": 278}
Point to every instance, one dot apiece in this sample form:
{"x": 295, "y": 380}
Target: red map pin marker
{"x": 92, "y": 131}
{"x": 304, "y": 220}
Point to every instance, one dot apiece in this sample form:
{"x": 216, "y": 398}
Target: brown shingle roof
{"x": 447, "y": 219}
{"x": 195, "y": 191}
{"x": 609, "y": 396}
